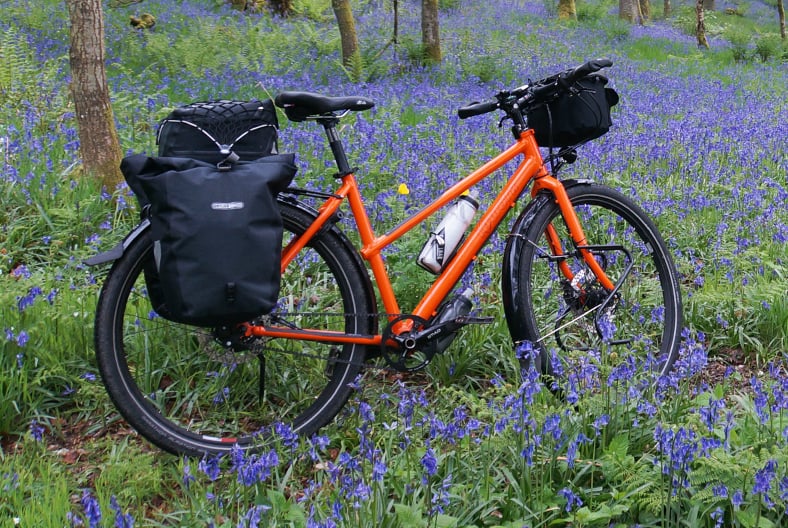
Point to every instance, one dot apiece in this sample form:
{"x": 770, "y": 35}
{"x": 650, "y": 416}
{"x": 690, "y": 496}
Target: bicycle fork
{"x": 586, "y": 252}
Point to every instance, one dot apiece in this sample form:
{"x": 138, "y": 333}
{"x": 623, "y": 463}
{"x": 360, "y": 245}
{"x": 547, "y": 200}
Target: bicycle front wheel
{"x": 194, "y": 391}
{"x": 578, "y": 330}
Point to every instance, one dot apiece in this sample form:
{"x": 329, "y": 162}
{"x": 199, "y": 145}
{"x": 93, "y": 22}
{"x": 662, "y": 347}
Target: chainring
{"x": 398, "y": 346}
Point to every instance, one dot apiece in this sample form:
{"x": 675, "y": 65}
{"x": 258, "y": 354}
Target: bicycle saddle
{"x": 298, "y": 106}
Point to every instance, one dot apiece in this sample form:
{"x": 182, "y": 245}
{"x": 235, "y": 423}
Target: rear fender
{"x": 288, "y": 200}
{"x": 116, "y": 252}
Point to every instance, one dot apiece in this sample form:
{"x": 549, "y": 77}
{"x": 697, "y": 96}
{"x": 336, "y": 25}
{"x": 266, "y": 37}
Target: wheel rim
{"x": 209, "y": 396}
{"x": 585, "y": 335}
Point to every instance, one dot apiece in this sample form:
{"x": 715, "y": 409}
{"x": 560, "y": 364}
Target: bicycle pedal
{"x": 474, "y": 320}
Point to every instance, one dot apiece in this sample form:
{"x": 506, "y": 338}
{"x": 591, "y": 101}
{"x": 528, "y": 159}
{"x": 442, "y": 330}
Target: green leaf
{"x": 409, "y": 516}
{"x": 446, "y": 521}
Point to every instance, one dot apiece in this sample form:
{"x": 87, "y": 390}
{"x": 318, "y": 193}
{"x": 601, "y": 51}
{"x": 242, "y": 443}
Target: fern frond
{"x": 17, "y": 64}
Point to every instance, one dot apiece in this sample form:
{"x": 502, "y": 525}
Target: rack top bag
{"x": 209, "y": 131}
{"x": 577, "y": 117}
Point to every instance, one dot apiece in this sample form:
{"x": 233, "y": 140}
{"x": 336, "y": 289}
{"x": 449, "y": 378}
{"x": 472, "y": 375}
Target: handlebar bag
{"x": 217, "y": 236}
{"x": 209, "y": 131}
{"x": 575, "y": 117}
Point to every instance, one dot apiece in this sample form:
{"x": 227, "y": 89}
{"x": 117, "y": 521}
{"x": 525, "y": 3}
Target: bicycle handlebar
{"x": 476, "y": 108}
{"x": 537, "y": 92}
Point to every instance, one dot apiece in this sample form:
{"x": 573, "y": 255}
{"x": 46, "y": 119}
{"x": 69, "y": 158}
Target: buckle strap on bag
{"x": 227, "y": 163}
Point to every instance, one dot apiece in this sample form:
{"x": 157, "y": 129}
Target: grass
{"x": 462, "y": 444}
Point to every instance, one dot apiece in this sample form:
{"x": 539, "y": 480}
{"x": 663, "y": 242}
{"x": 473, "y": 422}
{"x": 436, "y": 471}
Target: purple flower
{"x": 36, "y": 431}
{"x": 738, "y": 498}
{"x": 429, "y": 462}
{"x": 763, "y": 480}
{"x": 572, "y": 500}
{"x": 91, "y": 508}
{"x": 210, "y": 466}
{"x": 21, "y": 272}
{"x": 366, "y": 412}
{"x": 718, "y": 516}
{"x": 379, "y": 469}
{"x": 187, "y": 478}
{"x": 121, "y": 521}
{"x": 253, "y": 517}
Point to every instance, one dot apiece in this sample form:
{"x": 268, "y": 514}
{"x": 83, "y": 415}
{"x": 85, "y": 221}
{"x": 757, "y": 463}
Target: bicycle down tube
{"x": 530, "y": 168}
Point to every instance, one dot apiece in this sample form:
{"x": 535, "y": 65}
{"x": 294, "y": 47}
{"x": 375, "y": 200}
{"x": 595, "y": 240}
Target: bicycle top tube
{"x": 530, "y": 167}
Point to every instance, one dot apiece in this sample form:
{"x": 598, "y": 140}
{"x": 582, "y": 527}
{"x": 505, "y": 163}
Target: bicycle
{"x": 586, "y": 277}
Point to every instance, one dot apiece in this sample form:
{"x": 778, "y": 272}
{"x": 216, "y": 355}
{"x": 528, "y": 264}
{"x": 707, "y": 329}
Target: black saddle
{"x": 299, "y": 106}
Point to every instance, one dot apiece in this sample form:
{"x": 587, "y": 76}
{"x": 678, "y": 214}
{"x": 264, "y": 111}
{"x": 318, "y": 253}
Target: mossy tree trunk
{"x": 430, "y": 31}
{"x": 98, "y": 138}
{"x": 281, "y": 7}
{"x": 347, "y": 30}
{"x": 645, "y": 11}
{"x": 781, "y": 14}
{"x": 627, "y": 10}
{"x": 666, "y": 8}
{"x": 567, "y": 9}
{"x": 700, "y": 28}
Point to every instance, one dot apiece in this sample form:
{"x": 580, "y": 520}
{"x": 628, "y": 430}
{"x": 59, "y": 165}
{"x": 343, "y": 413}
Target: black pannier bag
{"x": 575, "y": 118}
{"x": 209, "y": 131}
{"x": 217, "y": 236}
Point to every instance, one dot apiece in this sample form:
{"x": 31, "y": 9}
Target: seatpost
{"x": 336, "y": 146}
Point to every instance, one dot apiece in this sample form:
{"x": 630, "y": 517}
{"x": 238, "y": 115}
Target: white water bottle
{"x": 444, "y": 239}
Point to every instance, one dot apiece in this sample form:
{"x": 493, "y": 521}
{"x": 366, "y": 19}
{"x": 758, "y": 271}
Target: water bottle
{"x": 444, "y": 239}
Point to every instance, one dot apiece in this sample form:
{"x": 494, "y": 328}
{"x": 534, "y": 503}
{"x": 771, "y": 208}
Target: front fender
{"x": 514, "y": 304}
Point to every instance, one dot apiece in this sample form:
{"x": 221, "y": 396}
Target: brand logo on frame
{"x": 227, "y": 206}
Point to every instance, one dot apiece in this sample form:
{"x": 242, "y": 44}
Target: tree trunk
{"x": 627, "y": 10}
{"x": 567, "y": 9}
{"x": 430, "y": 34}
{"x": 700, "y": 29}
{"x": 282, "y": 8}
{"x": 645, "y": 10}
{"x": 781, "y": 13}
{"x": 666, "y": 8}
{"x": 347, "y": 30}
{"x": 98, "y": 138}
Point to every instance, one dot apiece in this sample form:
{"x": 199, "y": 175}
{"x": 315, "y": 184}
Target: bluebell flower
{"x": 737, "y": 499}
{"x": 720, "y": 491}
{"x": 91, "y": 508}
{"x": 36, "y": 431}
{"x": 379, "y": 470}
{"x": 187, "y": 477}
{"x": 572, "y": 501}
{"x": 763, "y": 481}
{"x": 366, "y": 412}
{"x": 429, "y": 462}
{"x": 121, "y": 520}
{"x": 210, "y": 467}
{"x": 718, "y": 516}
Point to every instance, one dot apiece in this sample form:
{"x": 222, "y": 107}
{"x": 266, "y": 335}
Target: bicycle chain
{"x": 258, "y": 345}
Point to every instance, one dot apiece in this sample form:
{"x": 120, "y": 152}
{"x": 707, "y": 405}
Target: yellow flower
{"x": 403, "y": 189}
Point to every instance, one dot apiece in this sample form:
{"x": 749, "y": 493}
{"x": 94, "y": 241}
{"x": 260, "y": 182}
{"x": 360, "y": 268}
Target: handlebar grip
{"x": 477, "y": 108}
{"x": 584, "y": 69}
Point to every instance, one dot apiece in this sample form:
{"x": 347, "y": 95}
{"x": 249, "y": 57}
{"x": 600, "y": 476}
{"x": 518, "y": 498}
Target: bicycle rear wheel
{"x": 578, "y": 331}
{"x": 189, "y": 391}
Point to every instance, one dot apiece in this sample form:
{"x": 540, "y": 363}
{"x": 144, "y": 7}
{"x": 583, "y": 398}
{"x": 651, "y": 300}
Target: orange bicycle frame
{"x": 531, "y": 168}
